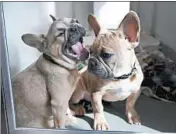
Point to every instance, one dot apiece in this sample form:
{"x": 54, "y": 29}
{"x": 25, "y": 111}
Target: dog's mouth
{"x": 78, "y": 51}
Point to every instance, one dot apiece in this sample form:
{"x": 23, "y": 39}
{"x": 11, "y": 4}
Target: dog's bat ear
{"x": 94, "y": 24}
{"x": 34, "y": 41}
{"x": 52, "y": 17}
{"x": 130, "y": 27}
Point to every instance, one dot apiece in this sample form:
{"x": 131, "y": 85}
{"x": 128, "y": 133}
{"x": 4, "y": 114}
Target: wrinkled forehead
{"x": 68, "y": 21}
{"x": 109, "y": 41}
{"x": 62, "y": 23}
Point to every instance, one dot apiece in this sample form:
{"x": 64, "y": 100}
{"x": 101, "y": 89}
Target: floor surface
{"x": 156, "y": 116}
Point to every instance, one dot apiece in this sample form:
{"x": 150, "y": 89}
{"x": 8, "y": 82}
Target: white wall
{"x": 20, "y": 18}
{"x": 78, "y": 10}
{"x": 64, "y": 9}
{"x": 158, "y": 19}
{"x": 110, "y": 14}
{"x": 81, "y": 11}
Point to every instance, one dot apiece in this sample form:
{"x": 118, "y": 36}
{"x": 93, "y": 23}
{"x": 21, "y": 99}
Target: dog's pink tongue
{"x": 77, "y": 48}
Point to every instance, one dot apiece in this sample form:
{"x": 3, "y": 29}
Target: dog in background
{"x": 114, "y": 72}
{"x": 42, "y": 91}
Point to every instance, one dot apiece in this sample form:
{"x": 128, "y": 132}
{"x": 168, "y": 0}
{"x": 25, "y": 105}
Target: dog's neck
{"x": 63, "y": 63}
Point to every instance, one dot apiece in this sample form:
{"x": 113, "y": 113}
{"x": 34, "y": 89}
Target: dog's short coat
{"x": 42, "y": 91}
{"x": 114, "y": 72}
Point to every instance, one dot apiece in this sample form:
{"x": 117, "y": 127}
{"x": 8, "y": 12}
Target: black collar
{"x": 51, "y": 60}
{"x": 125, "y": 76}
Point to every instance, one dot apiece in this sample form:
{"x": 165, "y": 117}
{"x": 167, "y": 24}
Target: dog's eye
{"x": 73, "y": 29}
{"x": 60, "y": 34}
{"x": 105, "y": 55}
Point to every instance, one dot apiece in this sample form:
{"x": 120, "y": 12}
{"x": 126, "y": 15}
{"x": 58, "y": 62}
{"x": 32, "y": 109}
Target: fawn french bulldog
{"x": 114, "y": 72}
{"x": 42, "y": 91}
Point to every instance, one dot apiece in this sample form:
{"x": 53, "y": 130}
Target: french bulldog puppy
{"x": 114, "y": 72}
{"x": 42, "y": 91}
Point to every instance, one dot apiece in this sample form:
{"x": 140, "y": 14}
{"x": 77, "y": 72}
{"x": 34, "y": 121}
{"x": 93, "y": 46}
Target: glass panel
{"x": 81, "y": 72}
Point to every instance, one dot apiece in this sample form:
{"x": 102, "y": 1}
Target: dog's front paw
{"x": 133, "y": 117}
{"x": 100, "y": 122}
{"x": 78, "y": 110}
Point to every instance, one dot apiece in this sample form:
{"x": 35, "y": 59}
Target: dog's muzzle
{"x": 74, "y": 47}
{"x": 98, "y": 69}
{"x": 102, "y": 70}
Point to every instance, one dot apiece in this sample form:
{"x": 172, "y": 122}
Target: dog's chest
{"x": 119, "y": 90}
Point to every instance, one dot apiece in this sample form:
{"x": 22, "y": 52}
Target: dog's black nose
{"x": 92, "y": 63}
{"x": 82, "y": 31}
